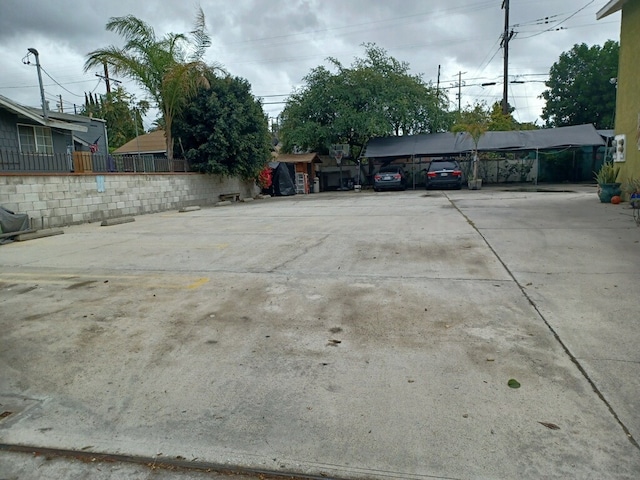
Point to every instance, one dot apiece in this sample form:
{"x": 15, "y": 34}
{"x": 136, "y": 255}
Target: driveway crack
{"x": 301, "y": 253}
{"x": 564, "y": 346}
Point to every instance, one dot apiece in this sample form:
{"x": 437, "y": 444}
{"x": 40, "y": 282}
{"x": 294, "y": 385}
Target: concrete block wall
{"x": 59, "y": 200}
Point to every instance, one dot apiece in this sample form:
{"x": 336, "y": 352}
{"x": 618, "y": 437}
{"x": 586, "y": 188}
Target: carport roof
{"x": 439, "y": 144}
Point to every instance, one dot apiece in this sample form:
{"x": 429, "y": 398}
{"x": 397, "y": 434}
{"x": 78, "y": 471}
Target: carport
{"x": 416, "y": 148}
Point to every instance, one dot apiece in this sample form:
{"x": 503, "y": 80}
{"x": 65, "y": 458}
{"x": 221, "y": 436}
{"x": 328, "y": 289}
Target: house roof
{"x": 74, "y": 123}
{"x": 441, "y": 144}
{"x": 611, "y": 7}
{"x": 297, "y": 158}
{"x": 152, "y": 142}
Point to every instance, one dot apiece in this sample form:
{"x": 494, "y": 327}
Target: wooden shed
{"x": 305, "y": 168}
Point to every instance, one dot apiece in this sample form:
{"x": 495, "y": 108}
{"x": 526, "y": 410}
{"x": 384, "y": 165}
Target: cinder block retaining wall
{"x": 59, "y": 200}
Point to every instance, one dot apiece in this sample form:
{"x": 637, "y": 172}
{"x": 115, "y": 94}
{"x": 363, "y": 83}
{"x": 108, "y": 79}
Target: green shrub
{"x": 607, "y": 173}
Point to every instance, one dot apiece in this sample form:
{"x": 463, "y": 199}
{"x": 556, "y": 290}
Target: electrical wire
{"x": 61, "y": 86}
{"x": 560, "y": 23}
{"x": 489, "y": 62}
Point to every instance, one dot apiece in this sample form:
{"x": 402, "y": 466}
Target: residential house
{"x": 57, "y": 142}
{"x": 627, "y": 127}
{"x": 147, "y": 153}
{"x": 152, "y": 143}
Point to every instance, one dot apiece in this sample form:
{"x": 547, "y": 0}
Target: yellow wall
{"x": 628, "y": 98}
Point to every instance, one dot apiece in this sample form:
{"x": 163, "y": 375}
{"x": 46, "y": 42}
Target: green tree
{"x": 477, "y": 119}
{"x": 499, "y": 122}
{"x": 492, "y": 117}
{"x": 122, "y": 114}
{"x": 170, "y": 68}
{"x": 224, "y": 130}
{"x": 375, "y": 96}
{"x": 579, "y": 87}
{"x": 473, "y": 122}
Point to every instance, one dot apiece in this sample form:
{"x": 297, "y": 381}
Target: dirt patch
{"x": 86, "y": 283}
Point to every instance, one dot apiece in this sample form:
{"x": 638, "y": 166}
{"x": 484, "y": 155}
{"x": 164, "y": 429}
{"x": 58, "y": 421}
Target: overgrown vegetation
{"x": 121, "y": 112}
{"x": 580, "y": 89}
{"x": 223, "y": 129}
{"x": 374, "y": 97}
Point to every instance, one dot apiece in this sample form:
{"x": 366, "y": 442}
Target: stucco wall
{"x": 628, "y": 98}
{"x": 59, "y": 200}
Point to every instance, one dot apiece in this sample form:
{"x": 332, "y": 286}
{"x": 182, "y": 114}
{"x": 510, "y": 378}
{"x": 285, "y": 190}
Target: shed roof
{"x": 297, "y": 158}
{"x": 152, "y": 142}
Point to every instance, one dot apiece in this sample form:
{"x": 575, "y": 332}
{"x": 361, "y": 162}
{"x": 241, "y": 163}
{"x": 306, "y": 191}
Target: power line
{"x": 44, "y": 85}
{"x": 61, "y": 86}
{"x": 555, "y": 27}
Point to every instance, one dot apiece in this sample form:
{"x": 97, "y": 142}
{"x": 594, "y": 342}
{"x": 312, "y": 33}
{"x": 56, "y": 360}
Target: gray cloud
{"x": 275, "y": 44}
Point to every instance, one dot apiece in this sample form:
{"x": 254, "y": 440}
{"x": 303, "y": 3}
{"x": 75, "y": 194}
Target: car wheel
{"x": 376, "y": 189}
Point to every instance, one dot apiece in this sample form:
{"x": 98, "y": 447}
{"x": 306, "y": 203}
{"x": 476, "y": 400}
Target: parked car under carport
{"x": 391, "y": 177}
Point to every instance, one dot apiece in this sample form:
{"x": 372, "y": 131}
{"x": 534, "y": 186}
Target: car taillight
{"x": 431, "y": 174}
{"x": 457, "y": 173}
{"x": 377, "y": 177}
{"x": 397, "y": 176}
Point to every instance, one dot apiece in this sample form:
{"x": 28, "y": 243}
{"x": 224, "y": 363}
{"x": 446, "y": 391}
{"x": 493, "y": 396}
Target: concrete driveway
{"x": 347, "y": 335}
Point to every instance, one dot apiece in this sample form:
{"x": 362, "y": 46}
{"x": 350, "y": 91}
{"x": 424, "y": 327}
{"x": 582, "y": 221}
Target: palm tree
{"x": 474, "y": 123}
{"x": 170, "y": 68}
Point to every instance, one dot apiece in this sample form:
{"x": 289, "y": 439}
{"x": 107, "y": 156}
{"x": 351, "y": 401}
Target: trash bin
{"x": 316, "y": 185}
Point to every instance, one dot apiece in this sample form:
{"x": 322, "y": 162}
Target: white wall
{"x": 58, "y": 200}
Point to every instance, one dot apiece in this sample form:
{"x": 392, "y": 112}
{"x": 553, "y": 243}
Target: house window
{"x": 35, "y": 139}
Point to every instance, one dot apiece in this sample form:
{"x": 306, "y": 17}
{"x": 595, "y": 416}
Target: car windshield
{"x": 443, "y": 166}
{"x": 389, "y": 170}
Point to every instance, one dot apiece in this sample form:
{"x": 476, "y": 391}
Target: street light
{"x": 34, "y": 52}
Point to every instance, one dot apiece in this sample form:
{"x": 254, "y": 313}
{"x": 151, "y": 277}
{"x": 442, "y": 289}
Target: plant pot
{"x": 474, "y": 184}
{"x": 608, "y": 190}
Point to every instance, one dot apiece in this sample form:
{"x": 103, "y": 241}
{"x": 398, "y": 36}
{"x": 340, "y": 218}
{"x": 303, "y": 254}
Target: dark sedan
{"x": 444, "y": 173}
{"x": 390, "y": 178}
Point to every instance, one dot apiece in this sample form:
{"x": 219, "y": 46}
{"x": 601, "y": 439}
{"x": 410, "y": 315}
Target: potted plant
{"x": 631, "y": 188}
{"x": 607, "y": 185}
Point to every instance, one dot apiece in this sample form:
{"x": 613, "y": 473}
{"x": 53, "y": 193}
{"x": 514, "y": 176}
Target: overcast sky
{"x": 274, "y": 44}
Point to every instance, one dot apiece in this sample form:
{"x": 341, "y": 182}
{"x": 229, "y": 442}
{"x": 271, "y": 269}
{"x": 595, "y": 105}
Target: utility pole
{"x": 506, "y": 37}
{"x": 438, "y": 101}
{"x": 459, "y": 94}
{"x": 60, "y": 105}
{"x": 107, "y": 79}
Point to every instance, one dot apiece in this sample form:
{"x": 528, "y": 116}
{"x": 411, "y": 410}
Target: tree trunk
{"x": 167, "y": 135}
{"x": 475, "y": 165}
